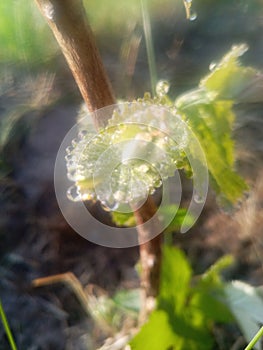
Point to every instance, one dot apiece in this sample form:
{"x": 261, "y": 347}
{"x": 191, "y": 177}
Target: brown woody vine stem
{"x": 71, "y": 29}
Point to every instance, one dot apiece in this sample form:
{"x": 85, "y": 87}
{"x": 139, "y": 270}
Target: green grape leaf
{"x": 177, "y": 323}
{"x": 211, "y": 277}
{"x": 123, "y": 219}
{"x": 185, "y": 313}
{"x": 163, "y": 333}
{"x": 229, "y": 79}
{"x": 208, "y": 110}
{"x": 175, "y": 281}
{"x": 247, "y": 307}
{"x": 213, "y": 124}
{"x": 180, "y": 216}
{"x": 208, "y": 293}
{"x": 156, "y": 334}
{"x": 210, "y": 305}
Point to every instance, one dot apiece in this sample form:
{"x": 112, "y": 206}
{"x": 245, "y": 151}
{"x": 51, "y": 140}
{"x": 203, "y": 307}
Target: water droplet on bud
{"x": 72, "y": 174}
{"x": 49, "y": 11}
{"x": 73, "y": 194}
{"x": 158, "y": 183}
{"x": 68, "y": 157}
{"x": 74, "y": 142}
{"x": 87, "y": 196}
{"x": 110, "y": 205}
{"x": 82, "y": 134}
{"x": 120, "y": 196}
{"x": 193, "y": 16}
{"x": 198, "y": 198}
{"x": 70, "y": 163}
{"x": 212, "y": 66}
{"x": 69, "y": 149}
{"x": 162, "y": 88}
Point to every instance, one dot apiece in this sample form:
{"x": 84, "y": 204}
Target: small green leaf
{"x": 211, "y": 307}
{"x": 247, "y": 307}
{"x": 180, "y": 216}
{"x": 156, "y": 334}
{"x": 163, "y": 333}
{"x": 176, "y": 274}
{"x": 212, "y": 278}
{"x": 123, "y": 219}
{"x": 208, "y": 294}
{"x": 166, "y": 212}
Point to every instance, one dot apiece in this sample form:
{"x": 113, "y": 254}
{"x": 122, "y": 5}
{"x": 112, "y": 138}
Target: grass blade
{"x": 7, "y": 328}
{"x": 149, "y": 44}
{"x": 255, "y": 339}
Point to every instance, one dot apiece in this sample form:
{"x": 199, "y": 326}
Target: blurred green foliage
{"x": 26, "y": 38}
{"x": 184, "y": 316}
{"x": 179, "y": 216}
{"x": 24, "y": 34}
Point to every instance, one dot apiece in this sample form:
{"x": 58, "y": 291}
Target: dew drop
{"x": 144, "y": 136}
{"x": 74, "y": 142}
{"x": 188, "y": 1}
{"x": 110, "y": 205}
{"x": 68, "y": 158}
{"x": 212, "y": 66}
{"x": 193, "y": 16}
{"x": 70, "y": 163}
{"x": 49, "y": 11}
{"x": 162, "y": 88}
{"x": 82, "y": 134}
{"x": 120, "y": 196}
{"x": 198, "y": 198}
{"x": 72, "y": 174}
{"x": 105, "y": 207}
{"x": 158, "y": 183}
{"x": 143, "y": 168}
{"x": 69, "y": 149}
{"x": 87, "y": 196}
{"x": 152, "y": 190}
{"x": 79, "y": 177}
{"x": 73, "y": 194}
